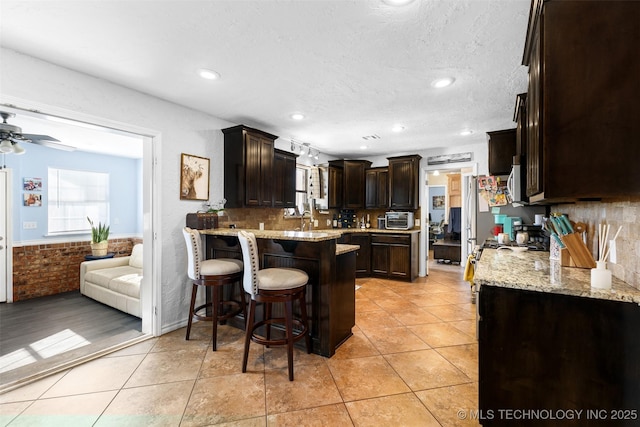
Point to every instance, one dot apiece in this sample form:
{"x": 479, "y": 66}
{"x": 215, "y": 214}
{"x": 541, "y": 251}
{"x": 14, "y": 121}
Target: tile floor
{"x": 412, "y": 361}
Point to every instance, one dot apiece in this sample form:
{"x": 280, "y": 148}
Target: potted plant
{"x": 99, "y": 238}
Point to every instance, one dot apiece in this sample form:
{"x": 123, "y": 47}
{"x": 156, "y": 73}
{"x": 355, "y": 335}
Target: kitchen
{"x": 619, "y": 211}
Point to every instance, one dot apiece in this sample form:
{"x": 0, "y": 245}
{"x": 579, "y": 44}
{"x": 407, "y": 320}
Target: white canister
{"x": 538, "y": 220}
{"x": 522, "y": 237}
{"x": 503, "y": 238}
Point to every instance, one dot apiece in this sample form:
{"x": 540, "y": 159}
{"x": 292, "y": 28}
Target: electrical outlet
{"x": 328, "y": 222}
{"x": 416, "y": 223}
{"x": 612, "y": 251}
{"x": 315, "y": 222}
{"x": 29, "y": 225}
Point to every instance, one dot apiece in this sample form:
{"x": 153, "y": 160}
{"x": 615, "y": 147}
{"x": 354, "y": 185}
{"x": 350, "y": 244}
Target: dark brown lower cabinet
{"x": 557, "y": 360}
{"x": 363, "y": 255}
{"x": 394, "y": 256}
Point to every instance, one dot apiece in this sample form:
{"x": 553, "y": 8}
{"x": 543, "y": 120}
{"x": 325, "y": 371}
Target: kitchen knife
{"x": 566, "y": 223}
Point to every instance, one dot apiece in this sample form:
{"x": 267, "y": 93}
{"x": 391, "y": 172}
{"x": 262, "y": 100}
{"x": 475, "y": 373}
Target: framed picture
{"x": 438, "y": 202}
{"x": 32, "y": 199}
{"x": 32, "y": 184}
{"x": 194, "y": 178}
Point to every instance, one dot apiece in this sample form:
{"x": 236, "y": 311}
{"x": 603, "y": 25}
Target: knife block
{"x": 565, "y": 258}
{"x": 578, "y": 250}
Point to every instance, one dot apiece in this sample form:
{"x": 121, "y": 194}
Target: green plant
{"x": 99, "y": 233}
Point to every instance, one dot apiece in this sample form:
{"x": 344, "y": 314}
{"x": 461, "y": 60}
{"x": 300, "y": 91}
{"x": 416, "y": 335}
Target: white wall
{"x": 477, "y": 146}
{"x": 182, "y": 130}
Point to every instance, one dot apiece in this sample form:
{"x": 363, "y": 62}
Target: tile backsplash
{"x": 619, "y": 212}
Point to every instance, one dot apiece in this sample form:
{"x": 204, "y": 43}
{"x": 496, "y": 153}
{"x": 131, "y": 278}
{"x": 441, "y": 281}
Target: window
{"x": 302, "y": 200}
{"x": 74, "y": 196}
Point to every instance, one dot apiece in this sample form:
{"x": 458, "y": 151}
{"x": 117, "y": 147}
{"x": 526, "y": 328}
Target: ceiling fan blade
{"x": 47, "y": 141}
{"x": 35, "y": 138}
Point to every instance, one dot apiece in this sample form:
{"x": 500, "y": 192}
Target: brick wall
{"x": 40, "y": 270}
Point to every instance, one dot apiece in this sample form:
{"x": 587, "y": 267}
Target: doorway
{"x": 465, "y": 171}
{"x": 6, "y": 257}
{"x": 148, "y": 198}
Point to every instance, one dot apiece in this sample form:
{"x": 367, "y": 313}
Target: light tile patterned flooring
{"x": 412, "y": 361}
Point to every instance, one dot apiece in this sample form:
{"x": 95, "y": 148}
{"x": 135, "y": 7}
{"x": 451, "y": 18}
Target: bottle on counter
{"x": 335, "y": 221}
{"x": 368, "y": 223}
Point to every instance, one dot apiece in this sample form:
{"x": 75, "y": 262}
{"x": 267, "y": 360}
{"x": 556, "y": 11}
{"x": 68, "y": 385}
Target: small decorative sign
{"x": 32, "y": 199}
{"x": 32, "y": 184}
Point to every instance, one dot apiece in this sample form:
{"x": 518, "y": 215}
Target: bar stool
{"x": 268, "y": 286}
{"x": 214, "y": 274}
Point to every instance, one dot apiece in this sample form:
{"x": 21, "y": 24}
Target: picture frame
{"x": 438, "y": 202}
{"x": 194, "y": 177}
{"x": 32, "y": 184}
{"x": 32, "y": 200}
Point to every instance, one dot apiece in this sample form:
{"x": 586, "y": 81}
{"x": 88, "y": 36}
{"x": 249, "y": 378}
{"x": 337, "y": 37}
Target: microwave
{"x": 399, "y": 220}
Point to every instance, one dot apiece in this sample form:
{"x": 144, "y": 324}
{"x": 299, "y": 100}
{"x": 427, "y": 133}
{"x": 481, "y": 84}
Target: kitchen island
{"x": 331, "y": 270}
{"x": 552, "y": 347}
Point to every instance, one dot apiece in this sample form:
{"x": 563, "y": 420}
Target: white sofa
{"x": 114, "y": 281}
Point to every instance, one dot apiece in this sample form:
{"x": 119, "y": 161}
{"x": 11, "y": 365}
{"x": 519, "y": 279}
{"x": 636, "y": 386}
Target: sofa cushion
{"x": 103, "y": 276}
{"x": 136, "y": 256}
{"x": 129, "y": 284}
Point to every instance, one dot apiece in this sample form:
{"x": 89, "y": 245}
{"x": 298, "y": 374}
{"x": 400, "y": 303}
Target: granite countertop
{"x": 533, "y": 271}
{"x": 342, "y": 248}
{"x": 377, "y": 230}
{"x": 305, "y": 236}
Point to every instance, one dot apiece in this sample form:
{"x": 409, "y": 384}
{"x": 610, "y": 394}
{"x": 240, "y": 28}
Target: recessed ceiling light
{"x": 363, "y": 147}
{"x": 297, "y": 116}
{"x": 444, "y": 82}
{"x": 397, "y": 128}
{"x": 466, "y": 132}
{"x": 208, "y": 74}
{"x": 397, "y": 2}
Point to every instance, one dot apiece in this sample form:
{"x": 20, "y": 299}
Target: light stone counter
{"x": 376, "y": 230}
{"x": 533, "y": 271}
{"x": 342, "y": 248}
{"x": 304, "y": 236}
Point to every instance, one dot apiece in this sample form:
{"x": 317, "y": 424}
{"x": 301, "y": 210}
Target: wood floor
{"x": 39, "y": 334}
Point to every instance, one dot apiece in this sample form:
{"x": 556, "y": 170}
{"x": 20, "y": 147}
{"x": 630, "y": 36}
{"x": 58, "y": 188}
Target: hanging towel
{"x": 469, "y": 270}
{"x": 315, "y": 184}
{"x": 455, "y": 215}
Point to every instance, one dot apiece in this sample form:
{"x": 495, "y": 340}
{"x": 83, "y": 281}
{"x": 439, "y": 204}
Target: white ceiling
{"x": 353, "y": 67}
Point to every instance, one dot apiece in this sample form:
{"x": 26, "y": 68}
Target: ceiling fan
{"x": 11, "y": 136}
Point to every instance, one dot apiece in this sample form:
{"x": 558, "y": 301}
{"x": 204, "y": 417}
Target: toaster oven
{"x": 399, "y": 220}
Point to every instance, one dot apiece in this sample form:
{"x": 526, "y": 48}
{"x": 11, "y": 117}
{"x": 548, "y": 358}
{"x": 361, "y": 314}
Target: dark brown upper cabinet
{"x": 336, "y": 181}
{"x": 404, "y": 174}
{"x": 248, "y": 167}
{"x": 502, "y": 148}
{"x": 582, "y": 100}
{"x": 377, "y": 188}
{"x": 347, "y": 178}
{"x": 284, "y": 179}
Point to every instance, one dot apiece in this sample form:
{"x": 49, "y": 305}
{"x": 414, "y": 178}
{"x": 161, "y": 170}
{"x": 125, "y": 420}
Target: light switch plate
{"x": 612, "y": 251}
{"x": 29, "y": 225}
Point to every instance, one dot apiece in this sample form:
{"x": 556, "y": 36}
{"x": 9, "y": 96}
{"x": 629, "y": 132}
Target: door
{"x": 5, "y": 241}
